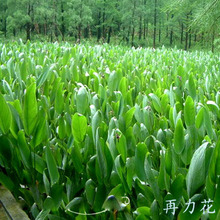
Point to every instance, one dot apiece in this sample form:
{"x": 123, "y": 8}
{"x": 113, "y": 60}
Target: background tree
{"x": 3, "y": 17}
{"x": 78, "y": 16}
{"x": 181, "y": 23}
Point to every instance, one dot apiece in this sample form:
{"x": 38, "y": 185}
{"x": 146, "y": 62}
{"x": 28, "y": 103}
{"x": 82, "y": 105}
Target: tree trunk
{"x": 145, "y": 21}
{"x": 119, "y": 27}
{"x": 80, "y": 24}
{"x": 5, "y": 27}
{"x": 86, "y": 32}
{"x": 187, "y": 33}
{"x": 14, "y": 32}
{"x": 79, "y": 33}
{"x": 181, "y": 36}
{"x": 51, "y": 34}
{"x": 167, "y": 29}
{"x": 186, "y": 40}
{"x": 55, "y": 19}
{"x": 128, "y": 35}
{"x": 63, "y": 24}
{"x": 28, "y": 25}
{"x": 117, "y": 6}
{"x": 103, "y": 22}
{"x": 99, "y": 27}
{"x": 147, "y": 29}
{"x": 195, "y": 37}
{"x": 45, "y": 28}
{"x": 190, "y": 38}
{"x": 133, "y": 27}
{"x": 202, "y": 38}
{"x": 171, "y": 37}
{"x": 144, "y": 29}
{"x": 159, "y": 39}
{"x": 213, "y": 40}
{"x": 132, "y": 37}
{"x": 109, "y": 34}
{"x": 155, "y": 23}
{"x": 140, "y": 28}
{"x": 171, "y": 33}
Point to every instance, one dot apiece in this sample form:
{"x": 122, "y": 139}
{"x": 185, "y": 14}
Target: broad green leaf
{"x": 216, "y": 202}
{"x": 82, "y": 100}
{"x": 117, "y": 191}
{"x": 96, "y": 120}
{"x": 214, "y": 165}
{"x": 5, "y": 115}
{"x": 197, "y": 170}
{"x": 123, "y": 86}
{"x": 77, "y": 158}
{"x": 154, "y": 209}
{"x": 16, "y": 124}
{"x": 152, "y": 181}
{"x": 179, "y": 137}
{"x": 200, "y": 118}
{"x": 38, "y": 163}
{"x": 207, "y": 83}
{"x": 112, "y": 144}
{"x": 30, "y": 112}
{"x": 79, "y": 127}
{"x": 163, "y": 178}
{"x": 128, "y": 116}
{"x": 100, "y": 197}
{"x": 121, "y": 145}
{"x": 6, "y": 151}
{"x": 188, "y": 151}
{"x": 109, "y": 160}
{"x": 74, "y": 203}
{"x": 90, "y": 191}
{"x": 196, "y": 212}
{"x": 156, "y": 102}
{"x": 208, "y": 122}
{"x": 213, "y": 107}
{"x": 119, "y": 167}
{"x": 164, "y": 103}
{"x": 52, "y": 166}
{"x": 143, "y": 210}
{"x": 177, "y": 187}
{"x": 59, "y": 99}
{"x": 113, "y": 82}
{"x": 46, "y": 183}
{"x": 189, "y": 111}
{"x": 140, "y": 154}
{"x": 56, "y": 84}
{"x": 56, "y": 193}
{"x": 62, "y": 127}
{"x": 168, "y": 161}
{"x": 24, "y": 149}
{"x": 192, "y": 87}
{"x": 130, "y": 166}
{"x": 42, "y": 130}
{"x": 100, "y": 149}
{"x": 7, "y": 88}
{"x": 112, "y": 203}
{"x": 43, "y": 214}
{"x": 48, "y": 203}
{"x": 7, "y": 182}
{"x": 44, "y": 75}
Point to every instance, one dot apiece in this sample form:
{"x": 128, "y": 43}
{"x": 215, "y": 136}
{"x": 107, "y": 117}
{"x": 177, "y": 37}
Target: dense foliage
{"x": 184, "y": 23}
{"x": 86, "y": 129}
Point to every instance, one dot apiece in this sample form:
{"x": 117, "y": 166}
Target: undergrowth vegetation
{"x": 121, "y": 132}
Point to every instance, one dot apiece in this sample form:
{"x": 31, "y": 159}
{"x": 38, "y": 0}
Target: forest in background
{"x": 185, "y": 24}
